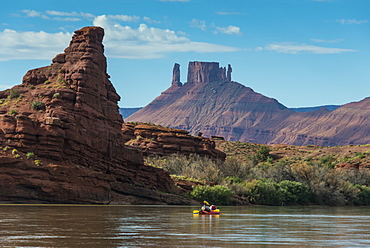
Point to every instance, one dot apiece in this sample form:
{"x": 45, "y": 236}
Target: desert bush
{"x": 193, "y": 166}
{"x": 264, "y": 192}
{"x": 30, "y": 155}
{"x": 363, "y": 195}
{"x": 268, "y": 192}
{"x": 235, "y": 168}
{"x": 294, "y": 193}
{"x": 37, "y": 105}
{"x": 13, "y": 112}
{"x": 218, "y": 194}
{"x": 262, "y": 155}
{"x": 13, "y": 93}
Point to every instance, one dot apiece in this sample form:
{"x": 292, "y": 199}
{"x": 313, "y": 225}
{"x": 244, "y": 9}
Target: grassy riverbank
{"x": 278, "y": 174}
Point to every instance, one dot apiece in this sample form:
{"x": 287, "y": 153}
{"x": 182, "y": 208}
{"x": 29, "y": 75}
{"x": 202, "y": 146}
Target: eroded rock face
{"x": 176, "y": 75}
{"x": 162, "y": 141}
{"x": 205, "y": 72}
{"x": 66, "y": 114}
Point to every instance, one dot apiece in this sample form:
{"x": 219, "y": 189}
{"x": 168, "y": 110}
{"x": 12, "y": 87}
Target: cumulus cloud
{"x": 148, "y": 42}
{"x": 352, "y": 21}
{"x": 31, "y": 45}
{"x": 293, "y": 48}
{"x": 229, "y": 30}
{"x": 195, "y": 23}
{"x": 121, "y": 41}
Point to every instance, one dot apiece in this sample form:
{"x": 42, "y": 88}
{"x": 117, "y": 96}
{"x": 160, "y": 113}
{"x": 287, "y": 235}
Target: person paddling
{"x": 205, "y": 207}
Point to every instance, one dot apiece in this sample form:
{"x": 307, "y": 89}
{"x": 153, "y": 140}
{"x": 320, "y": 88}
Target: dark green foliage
{"x": 268, "y": 192}
{"x": 37, "y": 105}
{"x": 363, "y": 195}
{"x": 218, "y": 194}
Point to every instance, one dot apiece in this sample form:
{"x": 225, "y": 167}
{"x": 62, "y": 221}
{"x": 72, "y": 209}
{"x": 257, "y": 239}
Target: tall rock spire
{"x": 176, "y": 75}
{"x": 229, "y": 70}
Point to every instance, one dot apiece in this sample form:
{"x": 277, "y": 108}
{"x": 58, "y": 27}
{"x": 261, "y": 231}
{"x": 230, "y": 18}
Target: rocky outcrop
{"x": 66, "y": 116}
{"x": 176, "y": 75}
{"x": 216, "y": 106}
{"x": 205, "y": 72}
{"x": 162, "y": 141}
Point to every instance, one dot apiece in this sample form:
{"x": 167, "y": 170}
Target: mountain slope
{"x": 215, "y": 105}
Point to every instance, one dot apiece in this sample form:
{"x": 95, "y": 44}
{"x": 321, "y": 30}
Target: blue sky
{"x": 300, "y": 52}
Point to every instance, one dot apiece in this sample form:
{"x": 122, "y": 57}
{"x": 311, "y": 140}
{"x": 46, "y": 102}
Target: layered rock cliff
{"x": 163, "y": 141}
{"x": 61, "y": 138}
{"x": 211, "y": 103}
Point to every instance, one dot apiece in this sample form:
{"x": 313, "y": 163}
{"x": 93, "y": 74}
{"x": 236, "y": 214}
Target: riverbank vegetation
{"x": 277, "y": 175}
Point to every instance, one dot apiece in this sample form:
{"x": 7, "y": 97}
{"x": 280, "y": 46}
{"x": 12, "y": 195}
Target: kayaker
{"x": 213, "y": 207}
{"x": 205, "y": 208}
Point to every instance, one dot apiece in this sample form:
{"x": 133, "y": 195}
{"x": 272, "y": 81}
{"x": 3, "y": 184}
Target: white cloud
{"x": 148, "y": 20}
{"x": 352, "y": 21}
{"x": 33, "y": 13}
{"x": 124, "y": 18}
{"x": 293, "y": 48}
{"x": 148, "y": 42}
{"x": 59, "y": 16}
{"x": 229, "y": 30}
{"x": 327, "y": 41}
{"x": 142, "y": 42}
{"x": 31, "y": 45}
{"x": 73, "y": 13}
{"x": 195, "y": 23}
{"x": 67, "y": 19}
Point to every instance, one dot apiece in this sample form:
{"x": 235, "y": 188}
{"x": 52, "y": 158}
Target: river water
{"x": 175, "y": 226}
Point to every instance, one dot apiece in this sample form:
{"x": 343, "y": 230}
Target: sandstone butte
{"x": 62, "y": 141}
{"x": 211, "y": 103}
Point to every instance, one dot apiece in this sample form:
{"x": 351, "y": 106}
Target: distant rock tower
{"x": 176, "y": 75}
{"x": 205, "y": 72}
{"x": 229, "y": 70}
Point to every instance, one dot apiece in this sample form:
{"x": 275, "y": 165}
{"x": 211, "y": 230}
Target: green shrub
{"x": 37, "y": 162}
{"x": 30, "y": 155}
{"x": 363, "y": 195}
{"x": 262, "y": 155}
{"x": 37, "y": 105}
{"x": 13, "y": 112}
{"x": 56, "y": 95}
{"x": 218, "y": 194}
{"x": 264, "y": 192}
{"x": 294, "y": 193}
{"x": 13, "y": 93}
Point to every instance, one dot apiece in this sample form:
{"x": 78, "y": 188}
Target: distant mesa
{"x": 211, "y": 103}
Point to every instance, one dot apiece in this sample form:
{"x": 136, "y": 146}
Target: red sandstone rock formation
{"x": 162, "y": 141}
{"x": 176, "y": 75}
{"x": 66, "y": 115}
{"x": 211, "y": 103}
{"x": 205, "y": 72}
